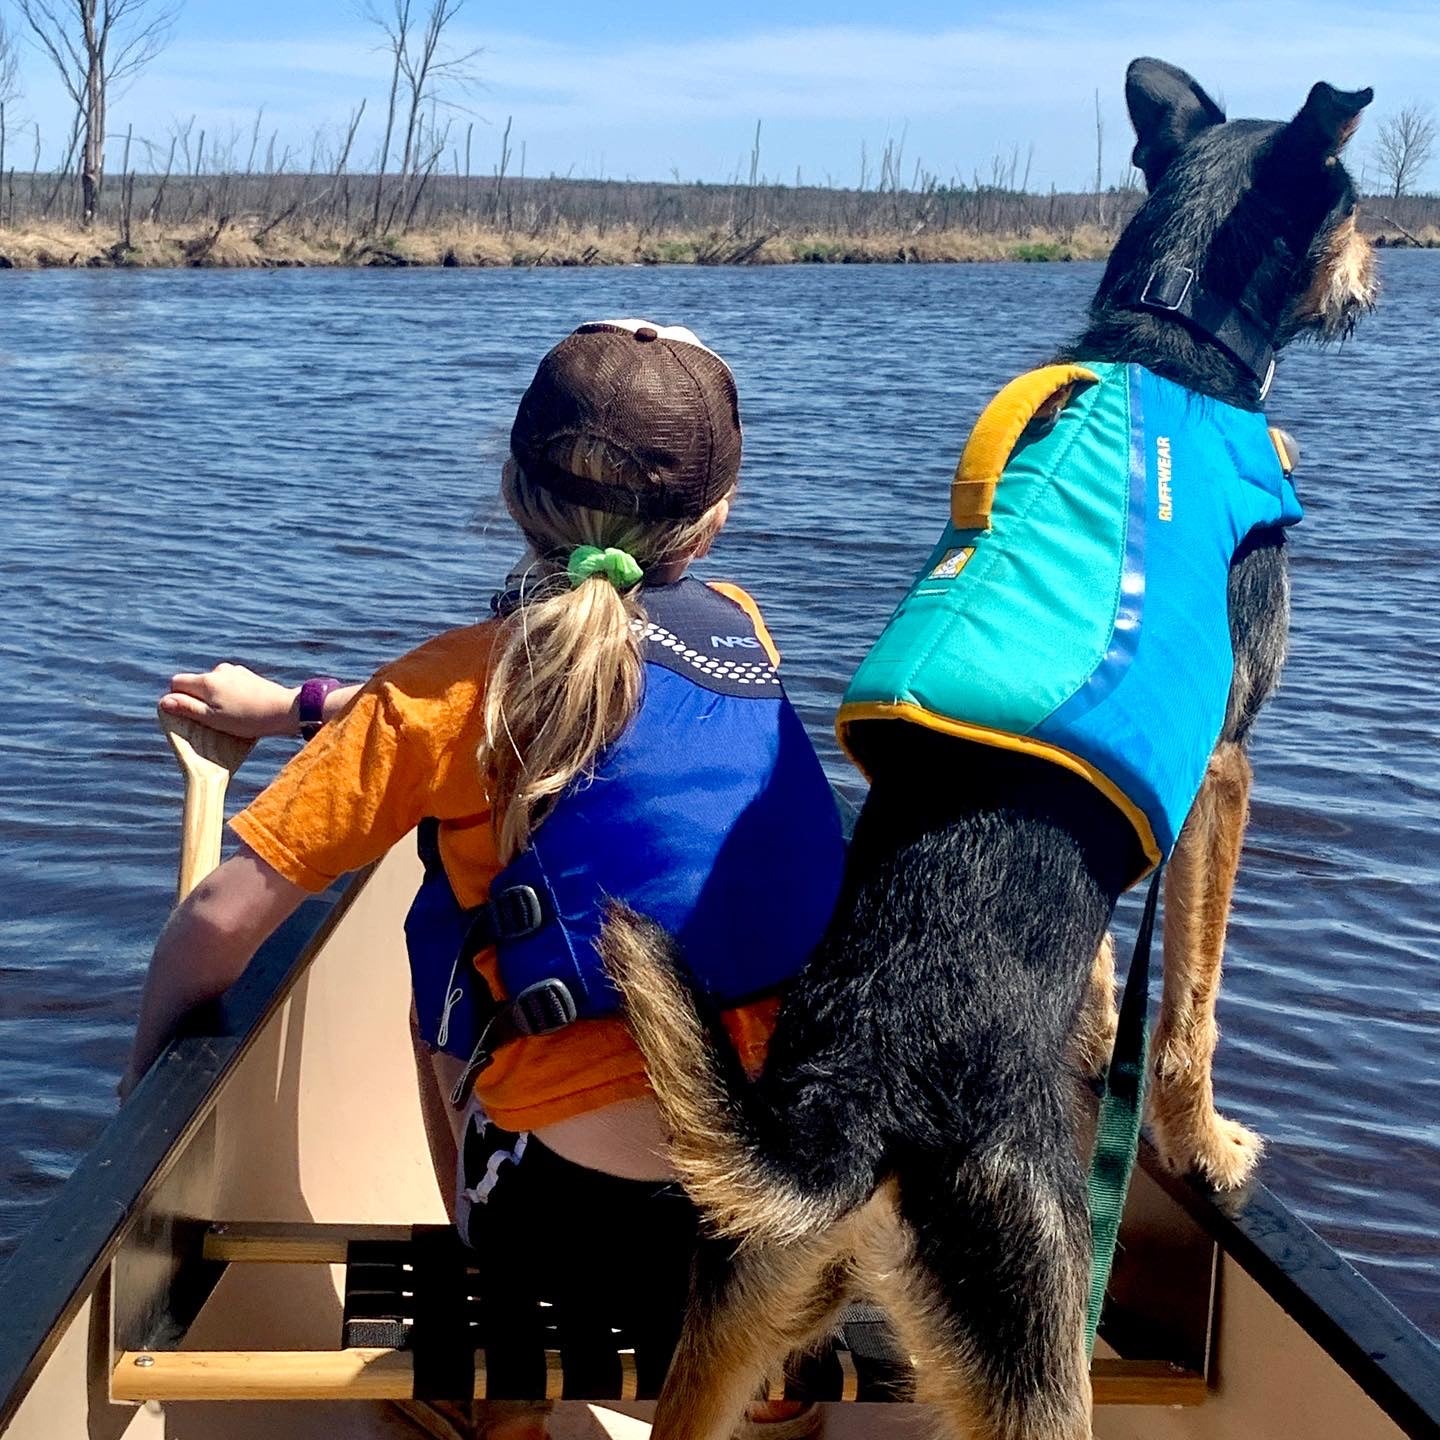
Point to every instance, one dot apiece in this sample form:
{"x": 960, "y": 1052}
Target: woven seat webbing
{"x": 422, "y": 1295}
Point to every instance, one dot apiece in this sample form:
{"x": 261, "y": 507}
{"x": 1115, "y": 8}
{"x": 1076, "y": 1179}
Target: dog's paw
{"x": 1222, "y": 1153}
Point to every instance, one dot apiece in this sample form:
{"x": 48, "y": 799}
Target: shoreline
{"x": 242, "y": 245}
{"x": 237, "y": 245}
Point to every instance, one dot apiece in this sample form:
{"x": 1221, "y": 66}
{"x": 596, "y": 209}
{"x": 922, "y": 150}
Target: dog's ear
{"x": 1168, "y": 110}
{"x": 1328, "y": 118}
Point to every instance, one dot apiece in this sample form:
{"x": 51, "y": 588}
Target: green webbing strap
{"x": 1117, "y": 1129}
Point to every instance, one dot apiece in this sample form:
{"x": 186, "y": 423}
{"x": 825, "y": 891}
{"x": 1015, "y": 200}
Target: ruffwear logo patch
{"x": 952, "y": 562}
{"x": 1162, "y": 470}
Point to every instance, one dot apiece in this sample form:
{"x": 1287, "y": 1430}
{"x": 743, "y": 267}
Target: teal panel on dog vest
{"x": 1088, "y": 622}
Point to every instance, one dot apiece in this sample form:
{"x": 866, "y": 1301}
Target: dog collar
{"x": 1175, "y": 290}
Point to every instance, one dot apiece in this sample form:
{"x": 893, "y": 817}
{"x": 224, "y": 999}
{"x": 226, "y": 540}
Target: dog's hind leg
{"x": 1199, "y": 884}
{"x": 1098, "y": 1018}
{"x": 748, "y": 1310}
{"x": 993, "y": 1299}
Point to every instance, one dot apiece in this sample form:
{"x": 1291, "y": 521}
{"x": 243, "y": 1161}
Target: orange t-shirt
{"x": 405, "y": 748}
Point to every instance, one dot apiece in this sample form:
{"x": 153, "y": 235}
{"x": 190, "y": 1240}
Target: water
{"x": 294, "y": 470}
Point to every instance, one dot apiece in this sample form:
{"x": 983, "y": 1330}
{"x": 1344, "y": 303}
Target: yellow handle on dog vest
{"x": 998, "y": 431}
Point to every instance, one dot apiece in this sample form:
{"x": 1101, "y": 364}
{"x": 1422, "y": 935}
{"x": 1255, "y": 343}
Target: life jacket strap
{"x": 509, "y": 914}
{"x": 539, "y": 1009}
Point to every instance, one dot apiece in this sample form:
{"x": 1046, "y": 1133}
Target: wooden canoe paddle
{"x": 207, "y": 759}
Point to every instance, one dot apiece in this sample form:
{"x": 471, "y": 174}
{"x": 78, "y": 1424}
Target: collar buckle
{"x": 1161, "y": 292}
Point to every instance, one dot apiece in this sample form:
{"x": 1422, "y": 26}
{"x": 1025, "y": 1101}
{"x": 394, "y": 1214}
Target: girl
{"x": 617, "y": 733}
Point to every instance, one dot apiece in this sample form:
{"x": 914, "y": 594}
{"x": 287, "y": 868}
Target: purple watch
{"x": 312, "y": 704}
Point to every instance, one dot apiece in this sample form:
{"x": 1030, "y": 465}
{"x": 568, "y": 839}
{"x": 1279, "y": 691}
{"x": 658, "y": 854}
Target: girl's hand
{"x": 235, "y": 700}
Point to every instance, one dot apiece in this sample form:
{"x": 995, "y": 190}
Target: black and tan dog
{"x": 913, "y": 1131}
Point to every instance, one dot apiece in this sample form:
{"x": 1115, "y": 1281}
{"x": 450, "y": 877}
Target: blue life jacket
{"x": 1076, "y": 606}
{"x": 710, "y": 815}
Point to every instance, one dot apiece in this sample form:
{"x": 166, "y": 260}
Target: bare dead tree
{"x": 465, "y": 190}
{"x": 500, "y": 169}
{"x": 437, "y": 140}
{"x": 9, "y": 65}
{"x": 343, "y": 160}
{"x": 34, "y": 172}
{"x": 1099, "y": 163}
{"x": 95, "y": 46}
{"x": 1403, "y": 146}
{"x": 395, "y": 23}
{"x": 753, "y": 190}
{"x": 254, "y": 142}
{"x": 127, "y": 192}
{"x": 159, "y": 199}
{"x": 423, "y": 72}
{"x": 9, "y": 91}
{"x": 431, "y": 73}
{"x": 71, "y": 151}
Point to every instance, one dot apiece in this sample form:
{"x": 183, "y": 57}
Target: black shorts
{"x": 574, "y": 1260}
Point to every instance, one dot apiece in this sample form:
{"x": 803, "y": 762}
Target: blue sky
{"x": 648, "y": 89}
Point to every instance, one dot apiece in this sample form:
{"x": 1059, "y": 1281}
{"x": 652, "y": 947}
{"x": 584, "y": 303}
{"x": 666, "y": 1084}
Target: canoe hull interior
{"x": 311, "y": 1115}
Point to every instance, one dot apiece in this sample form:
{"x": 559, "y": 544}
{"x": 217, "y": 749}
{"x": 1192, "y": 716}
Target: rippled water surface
{"x": 294, "y": 469}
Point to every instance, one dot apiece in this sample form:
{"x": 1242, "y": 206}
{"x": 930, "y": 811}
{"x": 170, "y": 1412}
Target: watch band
{"x": 312, "y": 704}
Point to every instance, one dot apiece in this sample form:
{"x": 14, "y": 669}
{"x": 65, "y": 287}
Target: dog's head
{"x": 1262, "y": 212}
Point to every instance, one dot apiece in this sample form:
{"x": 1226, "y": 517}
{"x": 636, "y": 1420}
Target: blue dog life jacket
{"x": 710, "y": 815}
{"x": 1076, "y": 606}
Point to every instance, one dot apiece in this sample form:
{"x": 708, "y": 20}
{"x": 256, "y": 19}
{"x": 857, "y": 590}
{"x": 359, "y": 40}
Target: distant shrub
{"x": 1034, "y": 251}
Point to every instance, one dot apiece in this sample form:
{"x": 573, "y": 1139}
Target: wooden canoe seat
{"x": 411, "y": 1329}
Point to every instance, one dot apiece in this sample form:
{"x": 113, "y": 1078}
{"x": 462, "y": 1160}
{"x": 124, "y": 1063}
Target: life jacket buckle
{"x": 542, "y": 1008}
{"x": 509, "y": 914}
{"x": 518, "y": 912}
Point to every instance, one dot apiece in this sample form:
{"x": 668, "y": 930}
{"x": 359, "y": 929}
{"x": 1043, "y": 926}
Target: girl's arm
{"x": 205, "y": 946}
{"x": 240, "y": 702}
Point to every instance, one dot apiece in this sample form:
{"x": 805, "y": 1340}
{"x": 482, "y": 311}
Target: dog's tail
{"x": 729, "y": 1147}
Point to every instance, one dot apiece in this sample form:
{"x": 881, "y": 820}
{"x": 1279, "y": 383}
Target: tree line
{"x": 424, "y": 171}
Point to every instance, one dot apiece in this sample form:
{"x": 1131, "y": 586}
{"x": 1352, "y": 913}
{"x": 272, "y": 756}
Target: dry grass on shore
{"x": 246, "y": 245}
{"x": 240, "y": 245}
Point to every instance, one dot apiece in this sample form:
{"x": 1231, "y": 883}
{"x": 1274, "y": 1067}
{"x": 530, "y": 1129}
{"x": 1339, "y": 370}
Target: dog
{"x": 913, "y": 1131}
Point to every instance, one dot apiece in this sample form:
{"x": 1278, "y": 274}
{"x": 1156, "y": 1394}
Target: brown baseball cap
{"x": 631, "y": 418}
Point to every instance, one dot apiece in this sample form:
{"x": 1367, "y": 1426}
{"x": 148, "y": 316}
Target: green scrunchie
{"x": 617, "y": 566}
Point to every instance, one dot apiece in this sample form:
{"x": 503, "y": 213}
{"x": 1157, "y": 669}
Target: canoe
{"x": 191, "y": 1277}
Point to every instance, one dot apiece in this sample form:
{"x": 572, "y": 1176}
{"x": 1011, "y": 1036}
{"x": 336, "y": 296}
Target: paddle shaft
{"x": 201, "y": 824}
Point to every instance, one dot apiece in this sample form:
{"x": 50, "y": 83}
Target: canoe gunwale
{"x": 65, "y": 1256}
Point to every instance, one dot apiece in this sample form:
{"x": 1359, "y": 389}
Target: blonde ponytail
{"x": 566, "y": 672}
